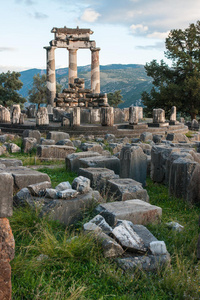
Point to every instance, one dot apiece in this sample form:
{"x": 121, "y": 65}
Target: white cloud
{"x": 90, "y": 15}
{"x": 158, "y": 35}
{"x": 139, "y": 28}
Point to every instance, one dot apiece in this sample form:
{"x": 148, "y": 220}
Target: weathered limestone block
{"x": 92, "y": 147}
{"x": 54, "y": 151}
{"x": 144, "y": 262}
{"x": 193, "y": 195}
{"x": 128, "y": 238}
{"x": 133, "y": 115}
{"x": 21, "y": 118}
{"x": 28, "y": 144}
{"x": 31, "y": 111}
{"x": 112, "y": 163}
{"x": 81, "y": 184}
{"x": 159, "y": 155}
{"x": 11, "y": 162}
{"x": 98, "y": 176}
{"x": 101, "y": 222}
{"x": 72, "y": 161}
{"x": 110, "y": 138}
{"x": 107, "y": 116}
{"x": 13, "y": 148}
{"x": 136, "y": 211}
{"x": 65, "y": 142}
{"x": 67, "y": 194}
{"x": 6, "y": 192}
{"x": 39, "y": 189}
{"x": 24, "y": 176}
{"x": 7, "y": 251}
{"x": 158, "y": 248}
{"x": 47, "y": 142}
{"x": 32, "y": 134}
{"x": 4, "y": 115}
{"x": 70, "y": 211}
{"x": 116, "y": 148}
{"x": 16, "y": 112}
{"x": 63, "y": 186}
{"x": 42, "y": 117}
{"x": 144, "y": 234}
{"x": 110, "y": 247}
{"x": 95, "y": 116}
{"x": 180, "y": 176}
{"x": 125, "y": 189}
{"x": 146, "y": 136}
{"x": 177, "y": 137}
{"x": 57, "y": 136}
{"x": 158, "y": 115}
{"x": 133, "y": 164}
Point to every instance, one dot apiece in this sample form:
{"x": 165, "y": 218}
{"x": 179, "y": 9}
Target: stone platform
{"x": 119, "y": 130}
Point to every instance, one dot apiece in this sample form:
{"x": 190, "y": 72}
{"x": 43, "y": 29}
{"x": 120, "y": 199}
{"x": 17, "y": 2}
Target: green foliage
{"x": 178, "y": 85}
{"x": 114, "y": 99}
{"x": 38, "y": 92}
{"x": 10, "y": 84}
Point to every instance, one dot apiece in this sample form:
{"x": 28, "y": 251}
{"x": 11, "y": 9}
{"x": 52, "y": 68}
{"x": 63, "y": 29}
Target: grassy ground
{"x": 74, "y": 266}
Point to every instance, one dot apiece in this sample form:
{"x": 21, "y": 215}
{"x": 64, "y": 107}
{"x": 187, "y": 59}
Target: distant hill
{"x": 131, "y": 79}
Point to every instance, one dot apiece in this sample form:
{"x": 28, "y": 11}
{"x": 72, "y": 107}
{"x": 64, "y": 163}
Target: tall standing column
{"x": 95, "y": 70}
{"x": 72, "y": 65}
{"x": 51, "y": 75}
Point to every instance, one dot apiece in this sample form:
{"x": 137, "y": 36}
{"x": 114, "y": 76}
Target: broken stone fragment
{"x": 39, "y": 189}
{"x": 128, "y": 238}
{"x": 69, "y": 193}
{"x": 81, "y": 184}
{"x": 20, "y": 199}
{"x": 51, "y": 193}
{"x": 175, "y": 226}
{"x": 158, "y": 248}
{"x": 101, "y": 222}
{"x": 63, "y": 186}
{"x": 110, "y": 247}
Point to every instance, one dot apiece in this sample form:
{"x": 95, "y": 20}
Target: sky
{"x": 127, "y": 31}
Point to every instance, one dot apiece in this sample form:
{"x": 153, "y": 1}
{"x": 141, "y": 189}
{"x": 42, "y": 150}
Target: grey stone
{"x": 24, "y": 176}
{"x": 28, "y": 144}
{"x": 63, "y": 186}
{"x": 136, "y": 211}
{"x": 32, "y": 134}
{"x": 81, "y": 184}
{"x": 193, "y": 188}
{"x": 146, "y": 136}
{"x": 128, "y": 238}
{"x": 144, "y": 234}
{"x": 65, "y": 142}
{"x": 51, "y": 193}
{"x": 175, "y": 226}
{"x": 6, "y": 192}
{"x": 20, "y": 199}
{"x": 57, "y": 135}
{"x": 54, "y": 151}
{"x": 47, "y": 142}
{"x": 107, "y": 116}
{"x": 101, "y": 222}
{"x": 76, "y": 143}
{"x": 158, "y": 115}
{"x": 42, "y": 117}
{"x": 144, "y": 262}
{"x": 111, "y": 163}
{"x": 92, "y": 147}
{"x": 180, "y": 176}
{"x": 13, "y": 148}
{"x": 133, "y": 164}
{"x": 98, "y": 176}
{"x": 157, "y": 138}
{"x": 39, "y": 189}
{"x": 66, "y": 194}
{"x": 9, "y": 162}
{"x": 72, "y": 161}
{"x": 110, "y": 137}
{"x": 158, "y": 248}
{"x": 70, "y": 211}
{"x": 91, "y": 227}
{"x": 177, "y": 137}
{"x": 126, "y": 189}
{"x": 110, "y": 247}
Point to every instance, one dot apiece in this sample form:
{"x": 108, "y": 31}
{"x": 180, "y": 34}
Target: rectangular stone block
{"x": 72, "y": 161}
{"x": 136, "y": 211}
{"x": 54, "y": 151}
{"x": 112, "y": 163}
{"x": 6, "y": 192}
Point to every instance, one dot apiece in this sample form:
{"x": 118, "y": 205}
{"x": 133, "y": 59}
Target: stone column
{"x": 51, "y": 75}
{"x": 173, "y": 114}
{"x": 158, "y": 115}
{"x": 72, "y": 65}
{"x": 133, "y": 115}
{"x": 95, "y": 70}
{"x": 76, "y": 116}
{"x": 107, "y": 116}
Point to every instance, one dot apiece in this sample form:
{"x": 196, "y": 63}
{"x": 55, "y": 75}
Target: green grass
{"x": 76, "y": 269}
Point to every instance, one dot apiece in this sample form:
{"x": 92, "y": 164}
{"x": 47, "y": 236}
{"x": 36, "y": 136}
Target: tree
{"x": 38, "y": 92}
{"x": 10, "y": 84}
{"x": 178, "y": 85}
{"x": 114, "y": 99}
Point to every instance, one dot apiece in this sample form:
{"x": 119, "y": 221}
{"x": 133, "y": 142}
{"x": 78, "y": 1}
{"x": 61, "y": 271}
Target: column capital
{"x": 95, "y": 49}
{"x": 49, "y": 48}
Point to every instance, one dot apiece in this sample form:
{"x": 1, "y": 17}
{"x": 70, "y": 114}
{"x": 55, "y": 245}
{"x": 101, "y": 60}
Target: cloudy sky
{"x": 127, "y": 31}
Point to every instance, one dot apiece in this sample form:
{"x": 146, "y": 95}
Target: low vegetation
{"x": 55, "y": 262}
